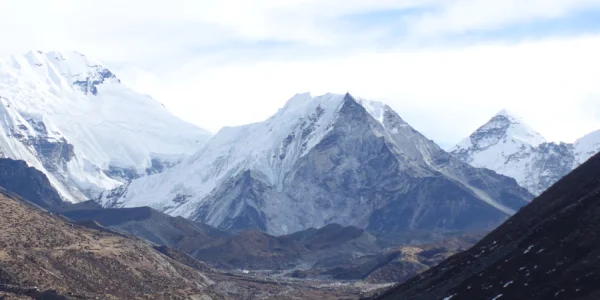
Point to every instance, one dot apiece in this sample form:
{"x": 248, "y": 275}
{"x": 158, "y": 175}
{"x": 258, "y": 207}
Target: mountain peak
{"x": 510, "y": 147}
{"x": 508, "y": 114}
{"x": 505, "y": 126}
{"x": 59, "y": 68}
{"x": 347, "y": 96}
{"x": 315, "y": 162}
{"x": 304, "y": 104}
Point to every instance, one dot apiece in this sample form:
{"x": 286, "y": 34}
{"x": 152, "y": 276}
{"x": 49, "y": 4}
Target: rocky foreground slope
{"x": 46, "y": 256}
{"x": 39, "y": 249}
{"x": 548, "y": 250}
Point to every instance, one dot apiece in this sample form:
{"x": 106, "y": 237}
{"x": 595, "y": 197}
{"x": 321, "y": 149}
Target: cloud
{"x": 481, "y": 15}
{"x": 445, "y": 93}
{"x": 230, "y": 62}
{"x": 140, "y": 31}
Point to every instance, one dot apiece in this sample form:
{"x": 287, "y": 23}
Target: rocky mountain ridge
{"x": 322, "y": 160}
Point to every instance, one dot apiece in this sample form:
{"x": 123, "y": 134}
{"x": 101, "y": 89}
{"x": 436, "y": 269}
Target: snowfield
{"x": 71, "y": 118}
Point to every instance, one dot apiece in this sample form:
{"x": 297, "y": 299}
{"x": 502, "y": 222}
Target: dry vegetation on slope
{"x": 42, "y": 250}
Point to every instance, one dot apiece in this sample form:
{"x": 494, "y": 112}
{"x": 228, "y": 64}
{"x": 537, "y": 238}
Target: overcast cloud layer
{"x": 446, "y": 66}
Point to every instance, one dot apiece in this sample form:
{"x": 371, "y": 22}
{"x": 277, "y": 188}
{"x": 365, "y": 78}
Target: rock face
{"x": 508, "y": 146}
{"x": 28, "y": 183}
{"x": 323, "y": 160}
{"x": 548, "y": 250}
{"x": 71, "y": 118}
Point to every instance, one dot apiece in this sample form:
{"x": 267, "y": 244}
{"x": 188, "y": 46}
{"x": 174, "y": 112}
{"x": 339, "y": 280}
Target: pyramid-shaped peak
{"x": 505, "y": 125}
{"x": 348, "y": 96}
{"x": 509, "y": 114}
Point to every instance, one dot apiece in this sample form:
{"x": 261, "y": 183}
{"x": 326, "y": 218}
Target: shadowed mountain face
{"x": 29, "y": 184}
{"x": 151, "y": 225}
{"x": 548, "y": 250}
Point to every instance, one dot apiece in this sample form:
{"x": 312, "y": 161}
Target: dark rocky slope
{"x": 29, "y": 184}
{"x": 398, "y": 264}
{"x": 332, "y": 252}
{"x": 549, "y": 250}
{"x": 46, "y": 256}
{"x": 150, "y": 225}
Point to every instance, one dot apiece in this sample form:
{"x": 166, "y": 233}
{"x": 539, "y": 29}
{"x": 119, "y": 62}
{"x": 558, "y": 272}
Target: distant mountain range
{"x": 330, "y": 187}
{"x": 510, "y": 147}
{"x": 317, "y": 161}
{"x": 322, "y": 160}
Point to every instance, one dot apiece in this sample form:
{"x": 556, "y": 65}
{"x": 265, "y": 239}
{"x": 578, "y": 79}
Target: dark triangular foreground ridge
{"x": 548, "y": 250}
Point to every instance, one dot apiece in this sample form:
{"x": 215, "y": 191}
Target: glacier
{"x": 71, "y": 118}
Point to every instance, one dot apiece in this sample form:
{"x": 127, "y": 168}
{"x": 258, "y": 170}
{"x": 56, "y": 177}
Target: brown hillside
{"x": 38, "y": 249}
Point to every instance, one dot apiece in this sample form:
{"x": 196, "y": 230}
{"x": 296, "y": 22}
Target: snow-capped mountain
{"x": 510, "y": 147}
{"x": 586, "y": 147}
{"x": 322, "y": 160}
{"x": 73, "y": 119}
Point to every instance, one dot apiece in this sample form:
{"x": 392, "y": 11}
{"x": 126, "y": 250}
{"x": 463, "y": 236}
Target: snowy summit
{"x": 72, "y": 118}
{"x": 510, "y": 147}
